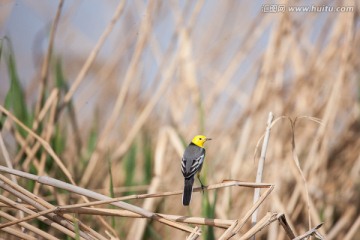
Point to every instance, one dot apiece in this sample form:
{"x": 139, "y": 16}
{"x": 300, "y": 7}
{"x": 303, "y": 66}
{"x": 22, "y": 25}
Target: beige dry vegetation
{"x": 217, "y": 68}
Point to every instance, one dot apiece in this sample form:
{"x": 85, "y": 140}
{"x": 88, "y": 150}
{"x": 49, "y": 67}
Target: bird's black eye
{"x": 199, "y": 138}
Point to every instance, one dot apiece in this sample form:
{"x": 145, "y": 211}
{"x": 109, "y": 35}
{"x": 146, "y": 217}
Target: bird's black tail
{"x": 188, "y": 187}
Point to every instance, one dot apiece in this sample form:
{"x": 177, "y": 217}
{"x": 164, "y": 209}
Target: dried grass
{"x": 210, "y": 72}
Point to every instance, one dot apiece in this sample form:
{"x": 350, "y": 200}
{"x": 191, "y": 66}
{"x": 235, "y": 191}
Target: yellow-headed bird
{"x": 191, "y": 164}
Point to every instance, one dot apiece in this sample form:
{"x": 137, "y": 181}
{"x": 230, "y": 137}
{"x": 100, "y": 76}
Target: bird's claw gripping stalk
{"x": 202, "y": 185}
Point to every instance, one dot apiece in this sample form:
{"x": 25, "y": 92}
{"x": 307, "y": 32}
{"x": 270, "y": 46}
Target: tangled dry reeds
{"x": 96, "y": 145}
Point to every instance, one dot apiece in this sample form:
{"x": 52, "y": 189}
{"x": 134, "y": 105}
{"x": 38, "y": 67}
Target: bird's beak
{"x": 208, "y": 139}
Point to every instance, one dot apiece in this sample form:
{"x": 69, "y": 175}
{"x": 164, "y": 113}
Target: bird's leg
{"x": 202, "y": 185}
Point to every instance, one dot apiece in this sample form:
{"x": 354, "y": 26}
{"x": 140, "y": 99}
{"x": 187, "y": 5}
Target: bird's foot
{"x": 203, "y": 187}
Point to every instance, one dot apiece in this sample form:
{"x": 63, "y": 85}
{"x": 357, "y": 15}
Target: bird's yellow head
{"x": 199, "y": 140}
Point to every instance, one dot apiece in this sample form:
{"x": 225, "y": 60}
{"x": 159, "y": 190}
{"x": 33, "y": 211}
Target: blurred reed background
{"x": 119, "y": 88}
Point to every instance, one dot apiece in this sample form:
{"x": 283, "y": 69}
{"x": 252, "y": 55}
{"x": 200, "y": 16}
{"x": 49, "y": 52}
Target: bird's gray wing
{"x": 192, "y": 161}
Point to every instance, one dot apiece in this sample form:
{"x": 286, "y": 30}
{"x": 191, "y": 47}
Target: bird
{"x": 191, "y": 164}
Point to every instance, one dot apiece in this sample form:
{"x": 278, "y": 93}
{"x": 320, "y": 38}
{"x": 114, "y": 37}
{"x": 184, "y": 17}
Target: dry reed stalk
{"x": 43, "y": 219}
{"x": 145, "y": 113}
{"x": 86, "y": 193}
{"x": 66, "y": 186}
{"x": 27, "y": 226}
{"x": 311, "y": 232}
{"x": 155, "y": 46}
{"x": 46, "y": 212}
{"x": 227, "y": 183}
{"x": 45, "y": 144}
{"x": 296, "y": 63}
{"x": 138, "y": 227}
{"x": 111, "y": 237}
{"x": 9, "y": 165}
{"x": 240, "y": 56}
{"x": 121, "y": 150}
{"x": 6, "y": 156}
{"x": 49, "y": 102}
{"x": 344, "y": 29}
{"x": 27, "y": 150}
{"x": 159, "y": 217}
{"x": 228, "y": 233}
{"x": 258, "y": 226}
{"x": 41, "y": 205}
{"x": 354, "y": 228}
{"x": 237, "y": 162}
{"x": 46, "y": 61}
{"x": 303, "y": 183}
{"x": 47, "y": 133}
{"x": 106, "y": 71}
{"x": 130, "y": 74}
{"x": 342, "y": 223}
{"x": 52, "y": 100}
{"x": 89, "y": 62}
{"x": 194, "y": 234}
{"x": 284, "y": 223}
{"x": 175, "y": 141}
{"x": 36, "y": 215}
{"x": 18, "y": 234}
{"x": 187, "y": 65}
{"x": 80, "y": 77}
{"x": 233, "y": 230}
{"x": 220, "y": 223}
{"x": 261, "y": 166}
{"x": 240, "y": 150}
